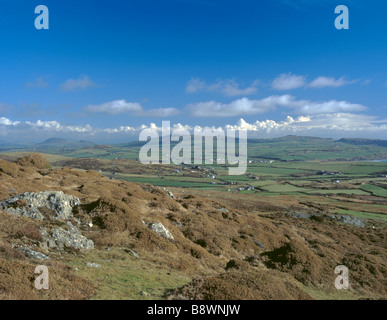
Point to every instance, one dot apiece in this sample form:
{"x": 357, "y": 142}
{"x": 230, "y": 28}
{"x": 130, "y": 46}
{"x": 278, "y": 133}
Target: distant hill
{"x": 365, "y": 142}
{"x": 59, "y": 143}
{"x": 292, "y": 139}
{"x": 54, "y": 141}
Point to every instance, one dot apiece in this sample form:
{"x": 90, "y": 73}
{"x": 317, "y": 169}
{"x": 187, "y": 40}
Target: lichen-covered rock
{"x": 61, "y": 239}
{"x": 93, "y": 265}
{"x": 302, "y": 215}
{"x": 169, "y": 193}
{"x": 160, "y": 229}
{"x": 28, "y": 204}
{"x": 348, "y": 220}
{"x": 33, "y": 254}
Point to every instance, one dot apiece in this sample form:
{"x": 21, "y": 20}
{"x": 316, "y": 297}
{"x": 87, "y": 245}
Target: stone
{"x": 60, "y": 203}
{"x": 169, "y": 193}
{"x": 58, "y": 238}
{"x": 160, "y": 230}
{"x": 348, "y": 220}
{"x": 259, "y": 244}
{"x": 33, "y": 254}
{"x": 134, "y": 253}
{"x": 93, "y": 265}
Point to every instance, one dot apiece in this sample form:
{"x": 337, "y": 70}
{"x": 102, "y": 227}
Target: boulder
{"x": 348, "y": 220}
{"x": 61, "y": 239}
{"x": 160, "y": 230}
{"x": 33, "y": 254}
{"x": 28, "y": 204}
{"x": 169, "y": 193}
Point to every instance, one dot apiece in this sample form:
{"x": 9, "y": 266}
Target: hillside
{"x": 365, "y": 142}
{"x": 107, "y": 239}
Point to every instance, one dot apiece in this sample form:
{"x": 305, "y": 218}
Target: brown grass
{"x": 292, "y": 251}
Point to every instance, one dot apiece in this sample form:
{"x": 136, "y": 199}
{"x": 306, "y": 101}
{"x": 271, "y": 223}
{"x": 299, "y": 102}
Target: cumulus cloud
{"x": 229, "y": 88}
{"x": 331, "y": 106}
{"x": 288, "y": 81}
{"x": 244, "y": 106}
{"x": 238, "y": 107}
{"x": 117, "y": 107}
{"x": 195, "y": 85}
{"x": 328, "y": 125}
{"x": 82, "y": 82}
{"x": 322, "y": 82}
{"x": 324, "y": 125}
{"x": 58, "y": 127}
{"x": 6, "y": 122}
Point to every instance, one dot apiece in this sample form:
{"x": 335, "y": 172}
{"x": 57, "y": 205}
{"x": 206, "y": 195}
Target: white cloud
{"x": 244, "y": 106}
{"x": 39, "y": 83}
{"x": 238, "y": 107}
{"x": 288, "y": 81}
{"x": 229, "y": 88}
{"x": 58, "y": 127}
{"x": 331, "y": 106}
{"x": 195, "y": 85}
{"x": 322, "y": 82}
{"x": 82, "y": 82}
{"x": 323, "y": 125}
{"x": 117, "y": 107}
{"x": 328, "y": 125}
{"x": 7, "y": 122}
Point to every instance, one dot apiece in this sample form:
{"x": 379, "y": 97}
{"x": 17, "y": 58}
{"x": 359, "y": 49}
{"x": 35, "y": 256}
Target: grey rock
{"x": 169, "y": 193}
{"x": 60, "y": 203}
{"x": 33, "y": 254}
{"x": 302, "y": 215}
{"x": 348, "y": 220}
{"x": 160, "y": 230}
{"x": 93, "y": 265}
{"x": 59, "y": 238}
{"x": 223, "y": 210}
{"x": 259, "y": 244}
{"x": 134, "y": 253}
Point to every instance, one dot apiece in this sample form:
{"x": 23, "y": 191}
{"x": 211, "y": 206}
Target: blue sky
{"x": 106, "y": 69}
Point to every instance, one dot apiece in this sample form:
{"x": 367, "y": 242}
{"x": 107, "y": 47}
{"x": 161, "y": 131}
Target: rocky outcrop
{"x": 61, "y": 239}
{"x": 52, "y": 205}
{"x": 33, "y": 254}
{"x": 159, "y": 229}
{"x": 29, "y": 204}
{"x": 348, "y": 220}
{"x": 169, "y": 193}
{"x": 302, "y": 215}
